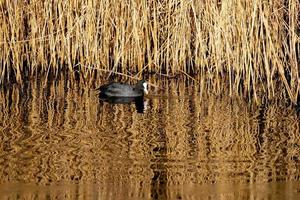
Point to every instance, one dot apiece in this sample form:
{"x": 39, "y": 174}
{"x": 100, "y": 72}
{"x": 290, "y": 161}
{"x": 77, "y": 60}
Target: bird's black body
{"x": 123, "y": 90}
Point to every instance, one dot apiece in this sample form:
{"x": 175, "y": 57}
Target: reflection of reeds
{"x": 253, "y": 43}
{"x": 59, "y": 131}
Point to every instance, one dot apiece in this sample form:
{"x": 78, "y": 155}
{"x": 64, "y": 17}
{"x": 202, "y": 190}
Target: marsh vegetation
{"x": 221, "y": 123}
{"x": 251, "y": 45}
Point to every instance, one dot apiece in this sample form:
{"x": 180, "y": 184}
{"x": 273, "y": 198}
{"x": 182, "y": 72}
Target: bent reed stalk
{"x": 254, "y": 44}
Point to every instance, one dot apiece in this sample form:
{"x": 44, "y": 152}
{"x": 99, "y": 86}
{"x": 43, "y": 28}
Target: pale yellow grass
{"x": 254, "y": 44}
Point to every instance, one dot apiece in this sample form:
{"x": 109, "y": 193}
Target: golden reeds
{"x": 253, "y": 45}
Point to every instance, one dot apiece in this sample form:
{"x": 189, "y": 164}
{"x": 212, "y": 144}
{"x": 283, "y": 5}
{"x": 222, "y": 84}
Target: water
{"x": 59, "y": 141}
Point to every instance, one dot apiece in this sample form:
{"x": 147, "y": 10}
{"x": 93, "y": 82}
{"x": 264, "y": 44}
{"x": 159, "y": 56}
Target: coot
{"x": 124, "y": 90}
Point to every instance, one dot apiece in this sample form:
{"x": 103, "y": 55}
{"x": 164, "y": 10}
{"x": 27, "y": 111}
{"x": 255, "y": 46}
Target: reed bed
{"x": 252, "y": 45}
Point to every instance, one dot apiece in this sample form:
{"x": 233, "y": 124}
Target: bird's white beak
{"x": 145, "y": 91}
{"x": 145, "y": 88}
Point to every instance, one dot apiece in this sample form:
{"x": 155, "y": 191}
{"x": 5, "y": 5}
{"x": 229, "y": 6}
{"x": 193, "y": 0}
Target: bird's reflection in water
{"x": 139, "y": 102}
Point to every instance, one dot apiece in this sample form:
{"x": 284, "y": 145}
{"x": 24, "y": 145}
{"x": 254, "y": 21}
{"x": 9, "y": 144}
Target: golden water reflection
{"x": 58, "y": 140}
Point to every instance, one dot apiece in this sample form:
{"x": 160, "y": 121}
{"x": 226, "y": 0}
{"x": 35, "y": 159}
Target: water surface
{"x": 58, "y": 140}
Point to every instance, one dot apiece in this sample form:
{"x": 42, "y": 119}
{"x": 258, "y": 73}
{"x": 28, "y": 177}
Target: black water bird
{"x": 124, "y": 90}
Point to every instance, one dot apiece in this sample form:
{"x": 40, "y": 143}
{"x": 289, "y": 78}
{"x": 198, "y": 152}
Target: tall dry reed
{"x": 251, "y": 45}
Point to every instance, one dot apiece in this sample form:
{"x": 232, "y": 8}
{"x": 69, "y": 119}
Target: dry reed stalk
{"x": 255, "y": 44}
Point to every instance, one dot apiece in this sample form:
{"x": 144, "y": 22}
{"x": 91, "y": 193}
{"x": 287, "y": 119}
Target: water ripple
{"x": 63, "y": 135}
